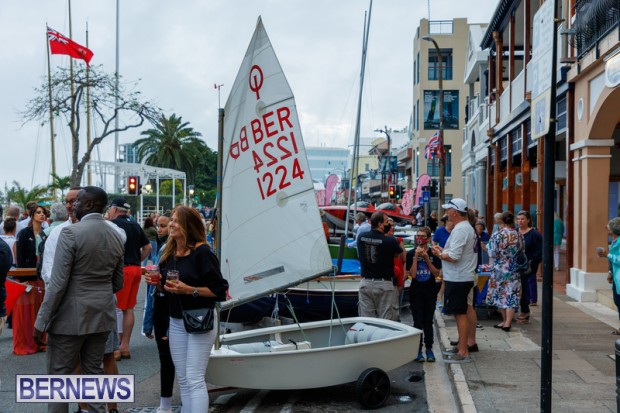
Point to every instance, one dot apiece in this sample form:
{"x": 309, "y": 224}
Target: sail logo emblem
{"x": 256, "y": 80}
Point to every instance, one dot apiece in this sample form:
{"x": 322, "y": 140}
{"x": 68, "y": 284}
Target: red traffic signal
{"x": 392, "y": 191}
{"x": 133, "y": 184}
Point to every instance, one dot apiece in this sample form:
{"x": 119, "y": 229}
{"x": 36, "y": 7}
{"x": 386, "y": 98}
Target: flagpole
{"x": 116, "y": 74}
{"x": 74, "y": 139}
{"x": 49, "y": 92}
{"x": 90, "y": 174}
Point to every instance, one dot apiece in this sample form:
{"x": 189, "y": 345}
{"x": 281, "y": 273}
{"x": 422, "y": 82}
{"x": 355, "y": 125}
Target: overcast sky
{"x": 180, "y": 49}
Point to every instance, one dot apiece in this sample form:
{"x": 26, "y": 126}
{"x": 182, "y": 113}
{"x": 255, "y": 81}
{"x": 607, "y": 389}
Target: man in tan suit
{"x": 79, "y": 309}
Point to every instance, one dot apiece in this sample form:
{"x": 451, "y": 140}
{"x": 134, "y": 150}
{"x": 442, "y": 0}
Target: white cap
{"x": 456, "y": 203}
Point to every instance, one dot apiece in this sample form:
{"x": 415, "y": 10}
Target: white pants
{"x": 556, "y": 256}
{"x": 190, "y": 354}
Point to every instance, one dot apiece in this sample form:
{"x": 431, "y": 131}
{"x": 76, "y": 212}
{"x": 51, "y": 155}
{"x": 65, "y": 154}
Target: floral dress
{"x": 504, "y": 287}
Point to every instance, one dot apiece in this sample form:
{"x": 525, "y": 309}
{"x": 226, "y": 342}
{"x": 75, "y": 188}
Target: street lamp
{"x": 384, "y": 182}
{"x": 442, "y": 162}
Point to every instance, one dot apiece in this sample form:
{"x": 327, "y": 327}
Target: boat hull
{"x": 332, "y": 358}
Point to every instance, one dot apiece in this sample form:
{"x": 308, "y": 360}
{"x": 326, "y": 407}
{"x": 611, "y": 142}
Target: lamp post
{"x": 385, "y": 182}
{"x": 442, "y": 161}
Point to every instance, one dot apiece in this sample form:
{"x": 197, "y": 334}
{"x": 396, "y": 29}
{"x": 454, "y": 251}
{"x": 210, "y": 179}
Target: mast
{"x": 49, "y": 93}
{"x": 356, "y": 143}
{"x": 90, "y": 174}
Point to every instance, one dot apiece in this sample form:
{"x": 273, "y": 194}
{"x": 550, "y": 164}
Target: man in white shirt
{"x": 363, "y": 225}
{"x": 459, "y": 259}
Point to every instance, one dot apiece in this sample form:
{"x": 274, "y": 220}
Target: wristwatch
{"x": 195, "y": 293}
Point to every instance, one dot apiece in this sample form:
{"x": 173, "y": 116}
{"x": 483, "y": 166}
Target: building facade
{"x": 451, "y": 37}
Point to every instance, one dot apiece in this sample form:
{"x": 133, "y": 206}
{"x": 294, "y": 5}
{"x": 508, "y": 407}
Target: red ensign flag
{"x": 60, "y": 44}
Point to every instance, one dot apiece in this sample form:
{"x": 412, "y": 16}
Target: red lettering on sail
{"x": 283, "y": 116}
{"x": 257, "y": 132}
{"x": 268, "y": 124}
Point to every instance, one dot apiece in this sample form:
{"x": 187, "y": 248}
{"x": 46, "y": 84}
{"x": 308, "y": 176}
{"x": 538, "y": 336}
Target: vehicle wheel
{"x": 373, "y": 388}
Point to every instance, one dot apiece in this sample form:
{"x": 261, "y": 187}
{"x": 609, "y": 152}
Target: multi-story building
{"x": 128, "y": 152}
{"x": 593, "y": 52}
{"x": 324, "y": 161}
{"x": 451, "y": 37}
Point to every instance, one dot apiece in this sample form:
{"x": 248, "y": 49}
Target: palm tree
{"x": 22, "y": 196}
{"x": 171, "y": 144}
{"x": 60, "y": 183}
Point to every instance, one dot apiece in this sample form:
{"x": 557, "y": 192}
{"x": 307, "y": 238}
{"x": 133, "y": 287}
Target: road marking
{"x": 254, "y": 402}
{"x": 288, "y": 407}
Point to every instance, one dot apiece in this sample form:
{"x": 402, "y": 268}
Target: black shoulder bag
{"x": 197, "y": 321}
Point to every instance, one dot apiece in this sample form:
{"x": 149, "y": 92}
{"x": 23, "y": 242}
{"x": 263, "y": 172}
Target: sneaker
{"x": 430, "y": 356}
{"x": 457, "y": 359}
{"x": 420, "y": 358}
{"x": 450, "y": 351}
{"x": 479, "y": 326}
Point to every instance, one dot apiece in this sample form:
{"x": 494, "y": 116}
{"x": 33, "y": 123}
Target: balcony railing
{"x": 593, "y": 20}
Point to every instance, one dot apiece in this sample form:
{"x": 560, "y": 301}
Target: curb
{"x": 459, "y": 383}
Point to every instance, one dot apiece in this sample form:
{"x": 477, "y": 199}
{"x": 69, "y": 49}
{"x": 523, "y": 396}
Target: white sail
{"x": 271, "y": 232}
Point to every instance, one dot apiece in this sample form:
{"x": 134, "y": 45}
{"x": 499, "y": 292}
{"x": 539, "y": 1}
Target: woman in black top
{"x": 200, "y": 285}
{"x": 533, "y": 250}
{"x": 26, "y": 242}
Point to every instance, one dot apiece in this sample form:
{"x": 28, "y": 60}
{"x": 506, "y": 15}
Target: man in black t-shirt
{"x": 137, "y": 248}
{"x": 376, "y": 253}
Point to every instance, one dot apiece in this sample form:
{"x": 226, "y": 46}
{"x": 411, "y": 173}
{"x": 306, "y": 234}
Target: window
{"x": 433, "y": 64}
{"x": 415, "y": 70}
{"x": 432, "y": 166}
{"x": 517, "y": 141}
{"x": 503, "y": 148}
{"x": 561, "y": 115}
{"x": 417, "y": 74}
{"x": 441, "y": 27}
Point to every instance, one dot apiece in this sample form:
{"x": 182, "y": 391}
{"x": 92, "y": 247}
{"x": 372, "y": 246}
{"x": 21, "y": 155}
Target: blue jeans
{"x": 190, "y": 354}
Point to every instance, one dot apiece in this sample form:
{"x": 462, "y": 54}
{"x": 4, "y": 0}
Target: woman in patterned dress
{"x": 505, "y": 282}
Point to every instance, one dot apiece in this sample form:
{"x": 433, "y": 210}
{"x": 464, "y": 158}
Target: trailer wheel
{"x": 373, "y": 388}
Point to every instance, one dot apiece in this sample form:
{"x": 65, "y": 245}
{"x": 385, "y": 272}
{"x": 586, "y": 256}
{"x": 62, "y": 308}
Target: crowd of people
{"x": 87, "y": 317}
{"x": 85, "y": 320}
{"x": 444, "y": 267}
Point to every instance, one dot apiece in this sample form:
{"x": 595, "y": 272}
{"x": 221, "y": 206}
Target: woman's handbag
{"x": 198, "y": 321}
{"x": 521, "y": 263}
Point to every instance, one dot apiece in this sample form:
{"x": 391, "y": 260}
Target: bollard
{"x": 618, "y": 375}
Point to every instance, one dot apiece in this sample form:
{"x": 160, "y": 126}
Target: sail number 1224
{"x": 274, "y": 153}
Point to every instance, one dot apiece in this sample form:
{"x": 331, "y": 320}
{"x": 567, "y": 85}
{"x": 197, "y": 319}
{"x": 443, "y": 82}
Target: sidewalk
{"x": 504, "y": 375}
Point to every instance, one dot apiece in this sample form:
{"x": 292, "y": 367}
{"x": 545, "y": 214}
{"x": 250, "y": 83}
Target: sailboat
{"x": 272, "y": 238}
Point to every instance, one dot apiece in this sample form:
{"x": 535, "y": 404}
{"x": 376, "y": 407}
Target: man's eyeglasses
{"x": 457, "y": 207}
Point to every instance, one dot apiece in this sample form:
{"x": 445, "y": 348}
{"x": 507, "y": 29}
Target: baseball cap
{"x": 456, "y": 203}
{"x": 120, "y": 203}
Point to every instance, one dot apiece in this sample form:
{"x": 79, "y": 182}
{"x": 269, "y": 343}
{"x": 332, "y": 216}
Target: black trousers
{"x": 422, "y": 301}
{"x": 161, "y": 320}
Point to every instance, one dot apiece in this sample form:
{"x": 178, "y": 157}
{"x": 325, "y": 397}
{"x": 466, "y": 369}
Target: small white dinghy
{"x": 272, "y": 238}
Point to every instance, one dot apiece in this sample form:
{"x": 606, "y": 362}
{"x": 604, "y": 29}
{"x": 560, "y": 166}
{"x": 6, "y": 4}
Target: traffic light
{"x": 133, "y": 185}
{"x": 392, "y": 191}
{"x": 398, "y": 192}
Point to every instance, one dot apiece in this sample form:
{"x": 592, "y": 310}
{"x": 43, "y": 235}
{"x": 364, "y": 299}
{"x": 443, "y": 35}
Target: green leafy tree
{"x": 60, "y": 183}
{"x": 21, "y": 196}
{"x": 107, "y": 103}
{"x": 172, "y": 144}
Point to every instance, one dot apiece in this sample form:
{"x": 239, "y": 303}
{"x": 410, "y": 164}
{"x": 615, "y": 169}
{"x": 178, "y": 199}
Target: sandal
{"x": 501, "y": 325}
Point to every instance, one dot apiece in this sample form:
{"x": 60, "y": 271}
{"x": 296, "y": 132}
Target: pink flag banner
{"x": 320, "y": 197}
{"x": 330, "y": 184}
{"x": 423, "y": 180}
{"x": 407, "y": 201}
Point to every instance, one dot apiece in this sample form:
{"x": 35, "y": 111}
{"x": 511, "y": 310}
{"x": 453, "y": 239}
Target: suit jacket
{"x": 87, "y": 271}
